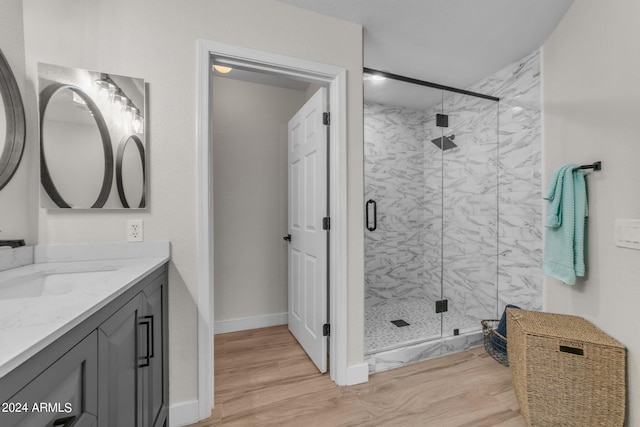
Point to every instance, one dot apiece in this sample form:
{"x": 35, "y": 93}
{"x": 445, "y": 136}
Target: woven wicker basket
{"x": 494, "y": 343}
{"x": 565, "y": 371}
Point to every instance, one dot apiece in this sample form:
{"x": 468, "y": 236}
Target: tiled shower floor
{"x": 424, "y": 324}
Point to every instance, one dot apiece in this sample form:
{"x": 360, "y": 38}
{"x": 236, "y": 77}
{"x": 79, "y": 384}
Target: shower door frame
{"x": 443, "y": 88}
{"x": 387, "y": 75}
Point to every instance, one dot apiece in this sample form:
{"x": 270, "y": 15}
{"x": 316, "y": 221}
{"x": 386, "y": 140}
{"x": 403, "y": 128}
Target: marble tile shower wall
{"x": 394, "y": 168}
{"x": 492, "y": 236}
{"x": 519, "y": 175}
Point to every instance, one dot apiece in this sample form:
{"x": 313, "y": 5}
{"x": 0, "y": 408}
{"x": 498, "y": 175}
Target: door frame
{"x": 324, "y": 74}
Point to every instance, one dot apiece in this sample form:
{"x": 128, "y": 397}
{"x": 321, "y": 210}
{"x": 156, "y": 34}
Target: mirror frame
{"x": 119, "y": 178}
{"x": 45, "y": 177}
{"x": 16, "y": 123}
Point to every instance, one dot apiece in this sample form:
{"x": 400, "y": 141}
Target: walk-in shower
{"x": 431, "y": 238}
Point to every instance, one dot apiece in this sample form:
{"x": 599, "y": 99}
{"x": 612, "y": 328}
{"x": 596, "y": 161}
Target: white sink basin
{"x": 44, "y": 283}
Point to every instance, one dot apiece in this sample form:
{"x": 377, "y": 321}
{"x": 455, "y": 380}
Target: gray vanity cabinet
{"x": 64, "y": 394}
{"x": 132, "y": 375}
{"x": 155, "y": 376}
{"x": 109, "y": 371}
{"x": 119, "y": 379}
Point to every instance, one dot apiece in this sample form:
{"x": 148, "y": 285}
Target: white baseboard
{"x": 357, "y": 374}
{"x": 183, "y": 413}
{"x": 233, "y": 325}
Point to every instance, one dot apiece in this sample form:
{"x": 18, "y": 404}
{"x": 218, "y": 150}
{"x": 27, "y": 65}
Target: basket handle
{"x": 571, "y": 350}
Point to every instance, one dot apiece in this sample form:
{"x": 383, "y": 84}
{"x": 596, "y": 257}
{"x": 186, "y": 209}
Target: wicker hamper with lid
{"x": 565, "y": 371}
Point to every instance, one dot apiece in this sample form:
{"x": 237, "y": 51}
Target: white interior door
{"x": 308, "y": 245}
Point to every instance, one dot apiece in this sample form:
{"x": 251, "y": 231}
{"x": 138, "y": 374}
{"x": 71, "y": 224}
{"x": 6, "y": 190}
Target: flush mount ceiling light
{"x": 222, "y": 69}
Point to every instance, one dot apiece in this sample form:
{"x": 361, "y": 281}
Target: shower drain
{"x": 400, "y": 323}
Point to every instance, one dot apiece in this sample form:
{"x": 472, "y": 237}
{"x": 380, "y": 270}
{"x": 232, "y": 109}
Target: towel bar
{"x": 596, "y": 166}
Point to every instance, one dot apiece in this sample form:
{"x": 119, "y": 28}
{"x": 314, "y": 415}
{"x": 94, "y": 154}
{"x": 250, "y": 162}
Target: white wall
{"x": 156, "y": 40}
{"x": 250, "y": 190}
{"x": 591, "y": 111}
{"x": 18, "y": 213}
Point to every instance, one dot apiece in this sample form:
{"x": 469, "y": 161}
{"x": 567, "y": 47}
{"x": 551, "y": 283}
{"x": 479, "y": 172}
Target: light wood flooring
{"x": 264, "y": 378}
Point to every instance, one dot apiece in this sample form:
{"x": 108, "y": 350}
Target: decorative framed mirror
{"x": 130, "y": 175}
{"x": 91, "y": 134}
{"x": 12, "y": 123}
{"x": 90, "y": 128}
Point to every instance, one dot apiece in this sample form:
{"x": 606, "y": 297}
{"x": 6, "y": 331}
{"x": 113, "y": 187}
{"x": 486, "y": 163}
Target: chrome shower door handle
{"x": 372, "y": 202}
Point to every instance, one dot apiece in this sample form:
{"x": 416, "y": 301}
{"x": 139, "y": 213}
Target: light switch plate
{"x": 627, "y": 233}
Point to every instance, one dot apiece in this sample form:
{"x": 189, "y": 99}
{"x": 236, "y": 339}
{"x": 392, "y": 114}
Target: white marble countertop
{"x": 71, "y": 293}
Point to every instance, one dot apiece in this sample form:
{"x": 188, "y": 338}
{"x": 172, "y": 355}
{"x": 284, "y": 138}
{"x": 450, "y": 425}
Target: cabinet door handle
{"x": 65, "y": 422}
{"x": 147, "y": 358}
{"x": 152, "y": 336}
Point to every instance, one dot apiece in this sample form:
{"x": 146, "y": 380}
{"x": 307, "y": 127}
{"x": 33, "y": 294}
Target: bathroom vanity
{"x": 84, "y": 342}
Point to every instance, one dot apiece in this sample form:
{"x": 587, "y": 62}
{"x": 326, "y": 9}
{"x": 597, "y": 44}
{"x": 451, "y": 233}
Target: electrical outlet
{"x": 134, "y": 230}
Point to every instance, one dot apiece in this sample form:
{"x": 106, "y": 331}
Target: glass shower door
{"x": 470, "y": 213}
{"x": 403, "y": 215}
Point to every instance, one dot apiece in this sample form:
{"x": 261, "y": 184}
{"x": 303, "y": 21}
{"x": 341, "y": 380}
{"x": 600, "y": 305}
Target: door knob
{"x": 287, "y": 237}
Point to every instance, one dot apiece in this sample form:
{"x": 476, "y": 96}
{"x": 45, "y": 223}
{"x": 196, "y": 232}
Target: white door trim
{"x": 324, "y": 74}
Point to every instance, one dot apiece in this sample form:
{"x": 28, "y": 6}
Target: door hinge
{"x": 326, "y": 119}
{"x": 326, "y": 223}
{"x": 442, "y": 120}
{"x": 442, "y": 306}
{"x": 326, "y": 330}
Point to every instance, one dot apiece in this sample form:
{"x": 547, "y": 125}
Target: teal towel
{"x": 556, "y": 183}
{"x": 565, "y": 224}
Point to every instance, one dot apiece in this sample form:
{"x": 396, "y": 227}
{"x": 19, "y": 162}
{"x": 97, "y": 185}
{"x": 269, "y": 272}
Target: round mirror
{"x": 12, "y": 123}
{"x": 76, "y": 156}
{"x": 3, "y": 125}
{"x": 130, "y": 173}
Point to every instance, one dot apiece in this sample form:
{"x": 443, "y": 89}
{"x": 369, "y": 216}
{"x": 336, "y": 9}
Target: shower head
{"x": 444, "y": 142}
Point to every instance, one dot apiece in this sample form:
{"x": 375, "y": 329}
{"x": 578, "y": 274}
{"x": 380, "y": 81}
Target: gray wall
{"x": 250, "y": 190}
{"x": 591, "y": 105}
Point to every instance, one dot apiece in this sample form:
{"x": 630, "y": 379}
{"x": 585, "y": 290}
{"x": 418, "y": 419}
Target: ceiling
{"x": 450, "y": 42}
